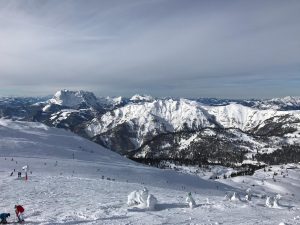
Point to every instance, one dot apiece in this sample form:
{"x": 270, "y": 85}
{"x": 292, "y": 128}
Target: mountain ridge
{"x": 124, "y": 125}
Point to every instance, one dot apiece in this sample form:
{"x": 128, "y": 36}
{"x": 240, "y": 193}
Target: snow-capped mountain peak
{"x": 288, "y": 100}
{"x": 144, "y": 121}
{"x": 235, "y": 115}
{"x": 140, "y": 98}
{"x": 111, "y": 101}
{"x": 74, "y": 98}
{"x": 285, "y": 103}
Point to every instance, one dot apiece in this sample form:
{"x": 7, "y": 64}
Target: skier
{"x": 3, "y": 217}
{"x": 190, "y": 200}
{"x": 19, "y": 213}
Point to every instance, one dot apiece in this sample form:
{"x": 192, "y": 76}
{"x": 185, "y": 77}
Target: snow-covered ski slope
{"x": 75, "y": 181}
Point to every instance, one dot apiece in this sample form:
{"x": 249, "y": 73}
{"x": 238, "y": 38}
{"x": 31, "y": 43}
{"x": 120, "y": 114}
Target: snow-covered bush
{"x": 275, "y": 203}
{"x": 232, "y": 197}
{"x": 269, "y": 202}
{"x": 138, "y": 197}
{"x": 227, "y": 196}
{"x": 276, "y": 199}
{"x": 248, "y": 194}
{"x": 142, "y": 198}
{"x": 248, "y": 197}
{"x": 190, "y": 201}
{"x": 272, "y": 202}
{"x": 151, "y": 202}
{"x": 235, "y": 197}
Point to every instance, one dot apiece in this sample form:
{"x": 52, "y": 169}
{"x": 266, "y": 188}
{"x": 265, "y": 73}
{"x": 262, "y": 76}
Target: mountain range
{"x": 191, "y": 131}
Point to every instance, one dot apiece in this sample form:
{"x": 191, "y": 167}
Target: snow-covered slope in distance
{"x": 285, "y": 103}
{"x": 177, "y": 115}
{"x": 124, "y": 124}
{"x": 152, "y": 118}
{"x": 148, "y": 119}
{"x": 243, "y": 117}
{"x": 238, "y": 116}
{"x": 38, "y": 143}
{"x": 281, "y": 104}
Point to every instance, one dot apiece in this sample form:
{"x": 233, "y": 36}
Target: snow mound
{"x": 138, "y": 197}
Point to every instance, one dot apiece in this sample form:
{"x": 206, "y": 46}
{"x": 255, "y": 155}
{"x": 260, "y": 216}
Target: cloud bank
{"x": 189, "y": 48}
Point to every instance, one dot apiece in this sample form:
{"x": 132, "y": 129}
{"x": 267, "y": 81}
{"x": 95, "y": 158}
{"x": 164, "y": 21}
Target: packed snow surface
{"x": 74, "y": 181}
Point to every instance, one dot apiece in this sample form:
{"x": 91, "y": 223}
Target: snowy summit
{"x": 140, "y": 98}
{"x": 74, "y": 98}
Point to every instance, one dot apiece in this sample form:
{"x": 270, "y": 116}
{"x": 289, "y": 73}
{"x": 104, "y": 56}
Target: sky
{"x": 180, "y": 48}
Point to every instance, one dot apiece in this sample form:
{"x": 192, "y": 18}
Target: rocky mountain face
{"x": 134, "y": 124}
{"x": 75, "y": 99}
{"x": 191, "y": 131}
{"x": 286, "y": 103}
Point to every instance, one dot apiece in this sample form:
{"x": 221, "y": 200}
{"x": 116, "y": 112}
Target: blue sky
{"x": 225, "y": 49}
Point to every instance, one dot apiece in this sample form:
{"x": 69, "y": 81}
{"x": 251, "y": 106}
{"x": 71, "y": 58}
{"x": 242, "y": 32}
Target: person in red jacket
{"x": 20, "y": 212}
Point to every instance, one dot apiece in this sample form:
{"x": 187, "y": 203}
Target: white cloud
{"x": 120, "y": 47}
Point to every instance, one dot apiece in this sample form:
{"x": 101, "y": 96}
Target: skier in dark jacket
{"x": 3, "y": 217}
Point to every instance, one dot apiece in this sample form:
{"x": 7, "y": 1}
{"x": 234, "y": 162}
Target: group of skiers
{"x": 19, "y": 210}
{"x": 272, "y": 202}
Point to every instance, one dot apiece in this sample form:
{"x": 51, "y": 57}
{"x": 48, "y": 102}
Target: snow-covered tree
{"x": 248, "y": 196}
{"x": 151, "y": 202}
{"x": 142, "y": 198}
{"x": 275, "y": 203}
{"x": 235, "y": 197}
{"x": 190, "y": 201}
{"x": 269, "y": 202}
